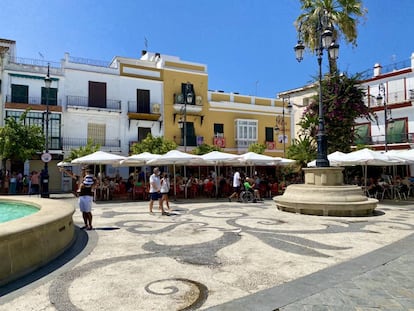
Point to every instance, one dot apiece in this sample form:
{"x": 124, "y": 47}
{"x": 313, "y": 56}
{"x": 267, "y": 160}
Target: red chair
{"x": 139, "y": 192}
{"x": 263, "y": 190}
{"x": 274, "y": 189}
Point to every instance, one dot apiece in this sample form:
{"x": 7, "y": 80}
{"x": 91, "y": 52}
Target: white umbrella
{"x": 284, "y": 161}
{"x": 175, "y": 157}
{"x": 217, "y": 158}
{"x": 139, "y": 159}
{"x": 334, "y": 158}
{"x": 367, "y": 157}
{"x": 99, "y": 157}
{"x": 63, "y": 163}
{"x": 252, "y": 158}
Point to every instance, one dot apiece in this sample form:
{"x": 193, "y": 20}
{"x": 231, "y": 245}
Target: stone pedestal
{"x": 325, "y": 194}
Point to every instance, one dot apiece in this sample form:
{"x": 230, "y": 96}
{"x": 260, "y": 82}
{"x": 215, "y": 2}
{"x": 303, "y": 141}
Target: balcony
{"x": 150, "y": 113}
{"x": 392, "y": 139}
{"x": 81, "y": 102}
{"x": 35, "y": 103}
{"x": 108, "y": 145}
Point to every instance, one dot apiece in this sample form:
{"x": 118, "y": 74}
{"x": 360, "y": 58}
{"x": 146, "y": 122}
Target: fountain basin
{"x": 30, "y": 242}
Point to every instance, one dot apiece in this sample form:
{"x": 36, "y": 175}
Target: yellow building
{"x": 229, "y": 120}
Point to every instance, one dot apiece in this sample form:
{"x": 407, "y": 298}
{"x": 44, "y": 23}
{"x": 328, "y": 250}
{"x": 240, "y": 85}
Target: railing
{"x": 34, "y": 62}
{"x": 369, "y": 73}
{"x": 392, "y": 98}
{"x": 90, "y": 62}
{"x": 74, "y": 142}
{"x": 32, "y": 100}
{"x": 391, "y": 139}
{"x": 132, "y": 107}
{"x": 81, "y": 101}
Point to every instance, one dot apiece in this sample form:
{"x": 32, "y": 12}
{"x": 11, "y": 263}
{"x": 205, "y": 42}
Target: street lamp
{"x": 325, "y": 42}
{"x": 381, "y": 99}
{"x": 289, "y": 108}
{"x": 46, "y": 156}
{"x": 187, "y": 100}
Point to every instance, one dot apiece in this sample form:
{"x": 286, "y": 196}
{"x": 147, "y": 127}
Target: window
{"x": 245, "y": 132}
{"x": 51, "y": 97}
{"x": 218, "y": 130}
{"x": 97, "y": 132}
{"x": 397, "y": 131}
{"x": 184, "y": 92}
{"x": 143, "y": 132}
{"x": 143, "y": 101}
{"x": 269, "y": 132}
{"x": 97, "y": 94}
{"x": 39, "y": 118}
{"x": 362, "y": 134}
{"x": 191, "y": 138}
{"x": 20, "y": 93}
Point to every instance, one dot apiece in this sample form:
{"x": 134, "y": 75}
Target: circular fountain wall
{"x": 324, "y": 194}
{"x": 30, "y": 242}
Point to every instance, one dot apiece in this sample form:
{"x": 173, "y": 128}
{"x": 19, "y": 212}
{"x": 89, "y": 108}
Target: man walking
{"x": 236, "y": 185}
{"x": 155, "y": 190}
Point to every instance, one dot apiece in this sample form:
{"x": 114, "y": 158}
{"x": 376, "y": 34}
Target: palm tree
{"x": 341, "y": 16}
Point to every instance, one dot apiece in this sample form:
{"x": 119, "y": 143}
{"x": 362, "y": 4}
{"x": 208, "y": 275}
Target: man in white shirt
{"x": 236, "y": 185}
{"x": 155, "y": 190}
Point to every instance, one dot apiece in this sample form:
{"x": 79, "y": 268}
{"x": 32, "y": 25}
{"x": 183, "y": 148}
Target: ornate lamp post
{"x": 289, "y": 108}
{"x": 187, "y": 100}
{"x": 381, "y": 100}
{"x": 46, "y": 157}
{"x": 325, "y": 42}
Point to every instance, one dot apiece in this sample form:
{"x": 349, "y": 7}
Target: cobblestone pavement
{"x": 217, "y": 255}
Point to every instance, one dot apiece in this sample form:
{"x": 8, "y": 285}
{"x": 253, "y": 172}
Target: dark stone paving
{"x": 380, "y": 280}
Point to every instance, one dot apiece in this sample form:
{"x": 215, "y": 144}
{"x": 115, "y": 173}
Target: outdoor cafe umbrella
{"x": 252, "y": 159}
{"x": 174, "y": 157}
{"x": 99, "y": 157}
{"x": 217, "y": 158}
{"x": 139, "y": 159}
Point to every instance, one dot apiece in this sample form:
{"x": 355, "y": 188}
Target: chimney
{"x": 377, "y": 70}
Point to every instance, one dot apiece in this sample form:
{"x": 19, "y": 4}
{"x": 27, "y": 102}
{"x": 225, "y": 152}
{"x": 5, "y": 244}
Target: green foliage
{"x": 19, "y": 141}
{"x": 343, "y": 15}
{"x": 156, "y": 145}
{"x": 343, "y": 103}
{"x": 204, "y": 148}
{"x": 257, "y": 148}
{"x": 303, "y": 150}
{"x": 89, "y": 148}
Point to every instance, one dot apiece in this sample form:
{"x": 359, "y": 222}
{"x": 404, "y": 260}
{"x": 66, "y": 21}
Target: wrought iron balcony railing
{"x": 32, "y": 100}
{"x": 84, "y": 102}
{"x": 74, "y": 142}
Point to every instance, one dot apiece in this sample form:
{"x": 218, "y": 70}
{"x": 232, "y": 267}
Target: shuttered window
{"x": 143, "y": 101}
{"x": 97, "y": 94}
{"x": 20, "y": 93}
{"x": 51, "y": 97}
{"x": 97, "y": 132}
{"x": 361, "y": 134}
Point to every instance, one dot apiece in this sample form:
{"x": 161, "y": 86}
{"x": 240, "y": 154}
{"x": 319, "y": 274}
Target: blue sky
{"x": 246, "y": 44}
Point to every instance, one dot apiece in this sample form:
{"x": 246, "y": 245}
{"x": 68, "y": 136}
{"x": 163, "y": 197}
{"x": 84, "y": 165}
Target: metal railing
{"x": 391, "y": 139}
{"x": 32, "y": 100}
{"x": 74, "y": 142}
{"x": 90, "y": 62}
{"x": 132, "y": 107}
{"x": 82, "y": 101}
{"x": 369, "y": 73}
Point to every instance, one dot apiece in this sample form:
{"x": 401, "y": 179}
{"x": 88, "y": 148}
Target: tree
{"x": 204, "y": 148}
{"x": 303, "y": 150}
{"x": 343, "y": 103}
{"x": 18, "y": 141}
{"x": 258, "y": 148}
{"x": 342, "y": 15}
{"x": 89, "y": 148}
{"x": 156, "y": 145}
